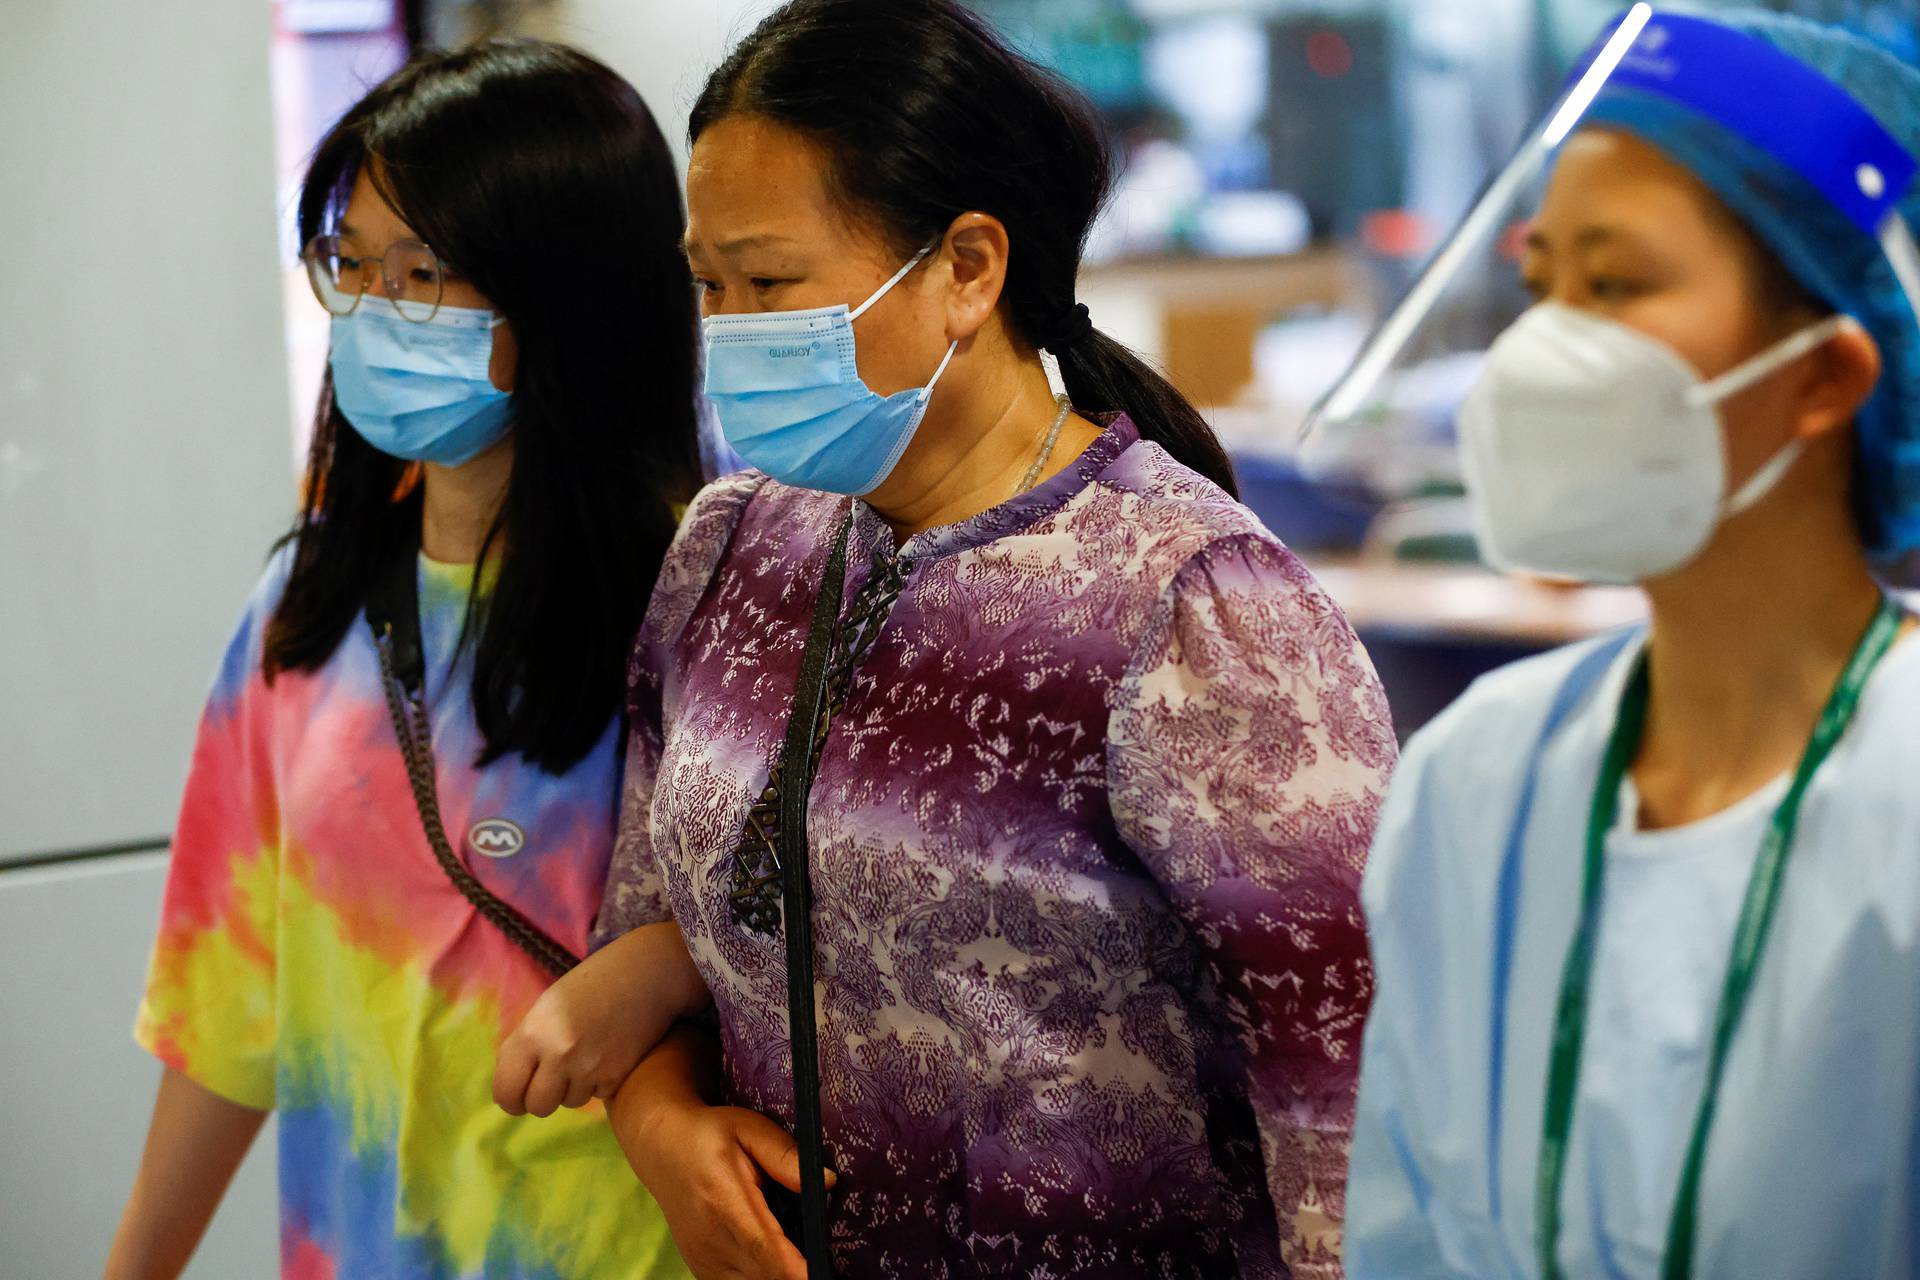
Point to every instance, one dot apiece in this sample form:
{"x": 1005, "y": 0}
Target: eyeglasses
{"x": 411, "y": 276}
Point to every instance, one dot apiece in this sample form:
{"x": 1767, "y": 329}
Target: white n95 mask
{"x": 1593, "y": 451}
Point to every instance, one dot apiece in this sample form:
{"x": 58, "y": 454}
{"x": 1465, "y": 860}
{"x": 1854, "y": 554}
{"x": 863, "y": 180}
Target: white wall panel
{"x": 143, "y": 439}
{"x": 77, "y": 1090}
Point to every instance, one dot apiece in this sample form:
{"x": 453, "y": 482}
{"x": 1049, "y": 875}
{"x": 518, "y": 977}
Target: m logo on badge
{"x": 496, "y": 838}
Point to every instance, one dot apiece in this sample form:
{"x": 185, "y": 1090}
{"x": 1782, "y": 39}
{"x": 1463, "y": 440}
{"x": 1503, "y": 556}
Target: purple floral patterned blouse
{"x": 1086, "y": 851}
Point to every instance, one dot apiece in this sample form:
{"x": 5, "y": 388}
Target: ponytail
{"x": 1104, "y": 375}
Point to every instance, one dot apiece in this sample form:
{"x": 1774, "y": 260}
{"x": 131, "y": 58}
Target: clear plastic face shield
{"x": 1391, "y": 422}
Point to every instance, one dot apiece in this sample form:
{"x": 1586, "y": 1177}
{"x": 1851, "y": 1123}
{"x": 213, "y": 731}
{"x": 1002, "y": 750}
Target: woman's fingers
{"x": 767, "y": 1241}
{"x": 770, "y": 1147}
{"x": 778, "y": 1259}
{"x": 755, "y": 1230}
{"x": 526, "y": 1082}
{"x": 512, "y": 1073}
{"x": 547, "y": 1089}
{"x": 579, "y": 1093}
{"x": 704, "y": 1166}
{"x": 717, "y": 1210}
{"x": 773, "y": 1149}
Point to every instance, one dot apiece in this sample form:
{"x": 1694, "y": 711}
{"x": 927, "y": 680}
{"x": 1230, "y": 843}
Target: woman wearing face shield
{"x": 1091, "y": 763}
{"x": 400, "y": 812}
{"x": 1645, "y": 912}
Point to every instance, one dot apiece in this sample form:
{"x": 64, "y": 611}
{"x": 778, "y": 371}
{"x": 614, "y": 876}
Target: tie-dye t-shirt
{"x": 314, "y": 959}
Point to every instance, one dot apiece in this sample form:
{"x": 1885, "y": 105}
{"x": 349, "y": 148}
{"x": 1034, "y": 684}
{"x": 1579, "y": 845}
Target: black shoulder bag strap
{"x": 797, "y": 766}
{"x": 393, "y": 611}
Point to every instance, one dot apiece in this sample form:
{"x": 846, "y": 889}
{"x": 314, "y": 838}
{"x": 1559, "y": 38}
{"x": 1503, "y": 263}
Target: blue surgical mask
{"x": 790, "y": 400}
{"x": 419, "y": 391}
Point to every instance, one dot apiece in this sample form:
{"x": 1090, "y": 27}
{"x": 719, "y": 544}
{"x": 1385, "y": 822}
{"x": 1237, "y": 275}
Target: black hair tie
{"x": 1067, "y": 328}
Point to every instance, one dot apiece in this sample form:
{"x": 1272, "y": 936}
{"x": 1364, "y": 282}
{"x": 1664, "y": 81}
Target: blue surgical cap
{"x": 1822, "y": 245}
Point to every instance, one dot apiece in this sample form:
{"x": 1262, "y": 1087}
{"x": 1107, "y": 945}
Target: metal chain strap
{"x": 410, "y": 724}
{"x": 754, "y": 884}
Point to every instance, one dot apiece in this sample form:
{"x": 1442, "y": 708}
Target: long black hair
{"x": 926, "y": 114}
{"x": 542, "y": 176}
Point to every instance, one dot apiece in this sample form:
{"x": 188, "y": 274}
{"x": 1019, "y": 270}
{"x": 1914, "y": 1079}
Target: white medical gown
{"x": 1813, "y": 1162}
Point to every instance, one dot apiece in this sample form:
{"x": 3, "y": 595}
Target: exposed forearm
{"x": 680, "y": 1075}
{"x": 655, "y": 957}
{"x": 194, "y": 1144}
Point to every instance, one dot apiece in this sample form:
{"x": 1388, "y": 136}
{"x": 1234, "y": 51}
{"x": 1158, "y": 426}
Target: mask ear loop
{"x": 926, "y": 392}
{"x": 887, "y": 288}
{"x": 1768, "y": 362}
{"x": 1761, "y": 482}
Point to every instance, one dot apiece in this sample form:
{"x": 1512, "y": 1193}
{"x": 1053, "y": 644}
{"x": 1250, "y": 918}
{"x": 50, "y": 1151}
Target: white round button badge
{"x": 496, "y": 838}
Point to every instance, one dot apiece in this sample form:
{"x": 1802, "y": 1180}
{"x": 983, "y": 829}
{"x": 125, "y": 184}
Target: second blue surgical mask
{"x": 419, "y": 390}
{"x": 791, "y": 402}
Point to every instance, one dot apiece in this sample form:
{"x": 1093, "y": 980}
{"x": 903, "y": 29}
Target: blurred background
{"x": 1289, "y": 165}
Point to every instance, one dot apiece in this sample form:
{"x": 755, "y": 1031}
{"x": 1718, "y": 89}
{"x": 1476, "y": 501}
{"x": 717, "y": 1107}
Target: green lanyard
{"x": 1749, "y": 937}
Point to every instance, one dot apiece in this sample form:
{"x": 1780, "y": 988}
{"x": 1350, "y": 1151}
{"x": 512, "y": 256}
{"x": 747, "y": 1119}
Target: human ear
{"x": 976, "y": 248}
{"x": 1839, "y": 380}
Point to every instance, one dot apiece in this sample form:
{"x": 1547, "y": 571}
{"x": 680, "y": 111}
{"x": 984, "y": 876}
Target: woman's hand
{"x": 704, "y": 1164}
{"x": 573, "y": 1046}
{"x": 587, "y": 1032}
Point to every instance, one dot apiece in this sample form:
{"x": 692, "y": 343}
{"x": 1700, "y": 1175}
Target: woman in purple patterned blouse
{"x": 1090, "y": 815}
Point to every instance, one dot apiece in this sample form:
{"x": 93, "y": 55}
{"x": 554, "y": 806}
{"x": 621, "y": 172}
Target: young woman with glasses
{"x": 401, "y": 807}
